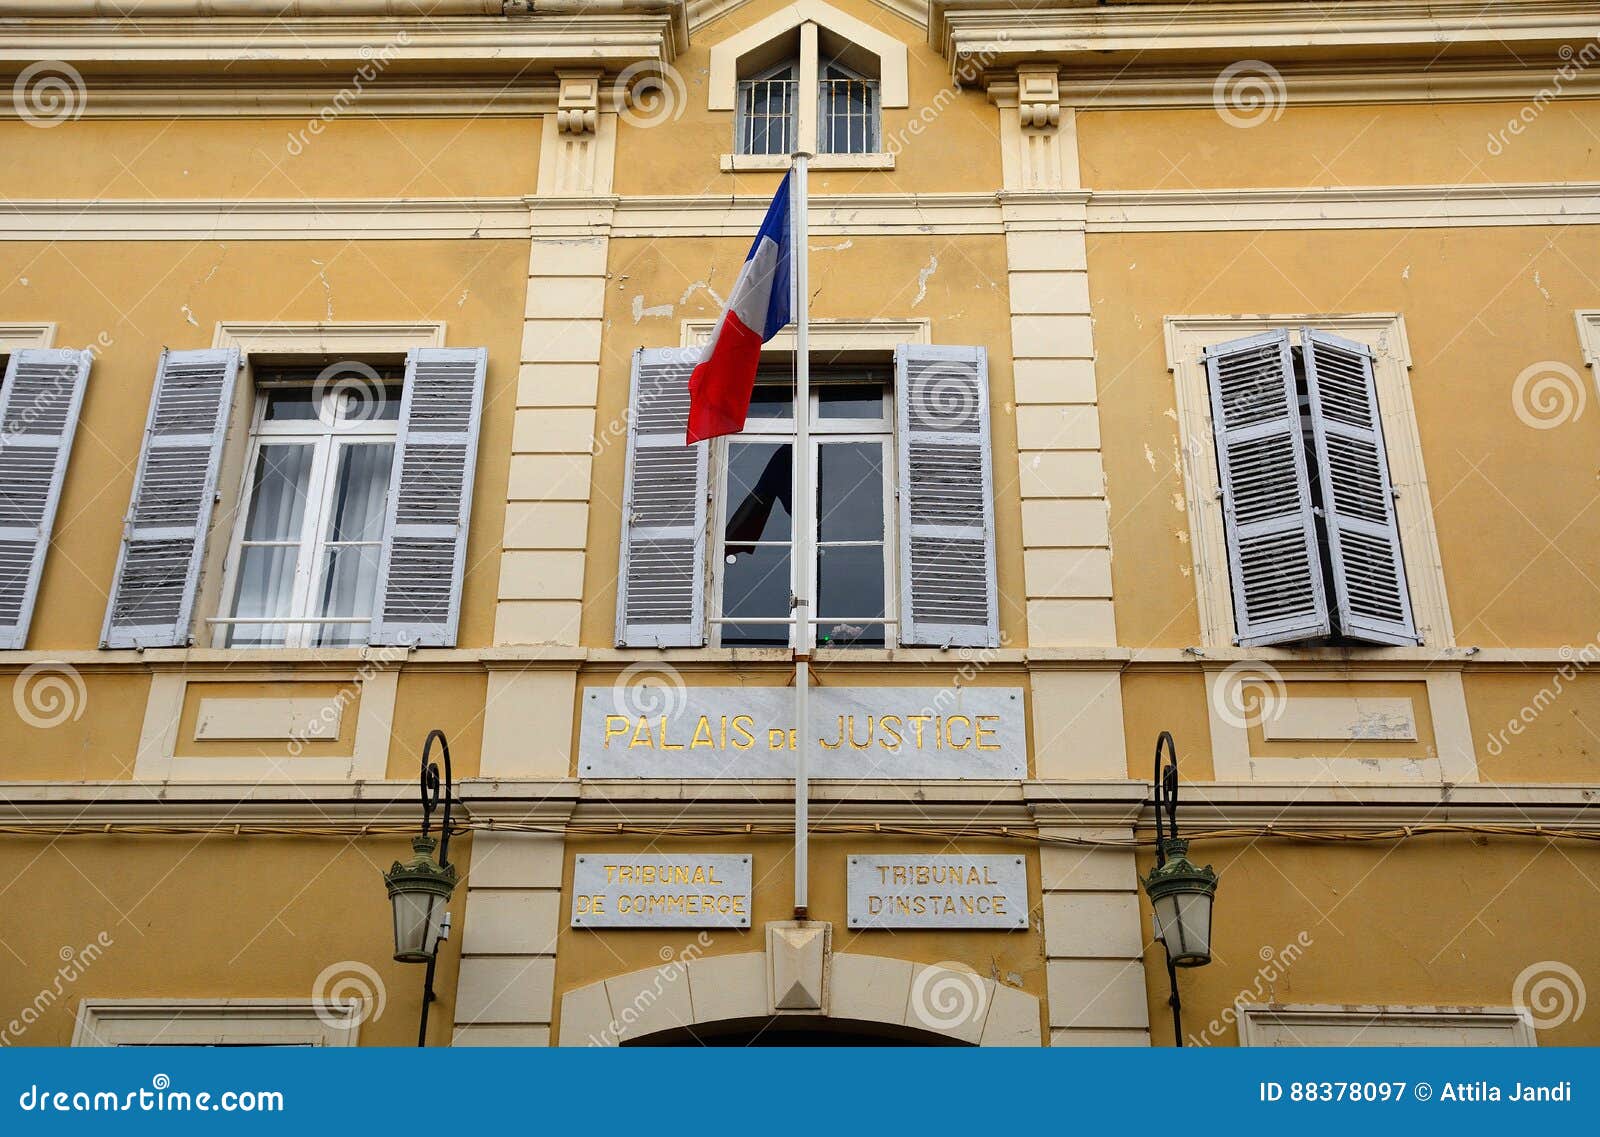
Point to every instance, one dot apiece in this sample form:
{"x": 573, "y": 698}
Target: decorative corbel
{"x": 578, "y": 105}
{"x": 1038, "y": 97}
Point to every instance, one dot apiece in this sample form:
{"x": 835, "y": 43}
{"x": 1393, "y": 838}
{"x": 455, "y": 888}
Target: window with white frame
{"x": 902, "y": 493}
{"x": 303, "y": 569}
{"x": 351, "y": 518}
{"x": 1313, "y": 541}
{"x": 851, "y": 426}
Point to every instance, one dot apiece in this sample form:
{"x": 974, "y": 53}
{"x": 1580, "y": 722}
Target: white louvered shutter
{"x": 164, "y": 534}
{"x": 430, "y": 498}
{"x": 1273, "y": 561}
{"x": 946, "y": 498}
{"x": 39, "y": 403}
{"x": 661, "y": 578}
{"x": 1369, "y": 574}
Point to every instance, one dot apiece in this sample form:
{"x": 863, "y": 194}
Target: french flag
{"x": 720, "y": 386}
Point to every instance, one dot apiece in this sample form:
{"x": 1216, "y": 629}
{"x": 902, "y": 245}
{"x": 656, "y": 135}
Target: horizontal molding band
{"x": 859, "y": 215}
{"x": 253, "y": 665}
{"x": 728, "y": 809}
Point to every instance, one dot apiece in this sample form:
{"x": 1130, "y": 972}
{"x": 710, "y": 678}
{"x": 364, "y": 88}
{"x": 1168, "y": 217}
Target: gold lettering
{"x": 742, "y": 724}
{"x": 615, "y": 725}
{"x": 949, "y": 732}
{"x": 665, "y": 745}
{"x": 917, "y": 721}
{"x": 854, "y": 745}
{"x": 837, "y": 742}
{"x": 703, "y": 735}
{"x": 643, "y": 728}
{"x": 987, "y": 732}
{"x": 890, "y": 731}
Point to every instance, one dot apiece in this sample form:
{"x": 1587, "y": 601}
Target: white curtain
{"x": 355, "y": 535}
{"x": 267, "y": 571}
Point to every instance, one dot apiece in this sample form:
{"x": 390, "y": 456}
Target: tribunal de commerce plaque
{"x": 939, "y": 890}
{"x": 857, "y": 732}
{"x": 668, "y": 890}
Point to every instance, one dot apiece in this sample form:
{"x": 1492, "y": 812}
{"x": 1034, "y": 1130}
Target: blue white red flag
{"x": 721, "y": 385}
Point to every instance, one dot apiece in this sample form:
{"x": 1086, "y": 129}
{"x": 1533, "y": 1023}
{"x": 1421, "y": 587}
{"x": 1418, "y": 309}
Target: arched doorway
{"x": 871, "y": 1001}
{"x": 795, "y": 1031}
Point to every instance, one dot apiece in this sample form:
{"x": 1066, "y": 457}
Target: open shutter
{"x": 39, "y": 404}
{"x": 661, "y": 580}
{"x": 164, "y": 534}
{"x": 430, "y": 498}
{"x": 947, "y": 569}
{"x": 1273, "y": 561}
{"x": 1369, "y": 572}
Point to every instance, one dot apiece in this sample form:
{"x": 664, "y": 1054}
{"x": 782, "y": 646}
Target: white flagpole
{"x": 800, "y": 514}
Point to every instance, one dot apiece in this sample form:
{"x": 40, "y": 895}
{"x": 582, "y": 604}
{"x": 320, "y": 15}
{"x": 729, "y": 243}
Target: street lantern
{"x": 420, "y": 888}
{"x": 1181, "y": 892}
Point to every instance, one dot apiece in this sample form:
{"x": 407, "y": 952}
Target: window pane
{"x": 290, "y": 404}
{"x": 364, "y": 401}
{"x": 266, "y": 588}
{"x": 278, "y": 494}
{"x": 772, "y": 400}
{"x": 359, "y": 494}
{"x": 850, "y": 491}
{"x": 756, "y": 583}
{"x": 348, "y": 586}
{"x": 760, "y": 481}
{"x": 850, "y": 400}
{"x": 850, "y": 583}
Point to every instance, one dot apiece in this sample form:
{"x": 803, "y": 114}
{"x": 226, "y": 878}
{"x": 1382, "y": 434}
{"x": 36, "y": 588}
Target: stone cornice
{"x": 243, "y": 49}
{"x": 1138, "y": 40}
{"x": 854, "y": 215}
{"x": 730, "y": 809}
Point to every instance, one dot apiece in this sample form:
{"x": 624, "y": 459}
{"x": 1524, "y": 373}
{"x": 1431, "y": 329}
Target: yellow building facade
{"x": 1214, "y": 368}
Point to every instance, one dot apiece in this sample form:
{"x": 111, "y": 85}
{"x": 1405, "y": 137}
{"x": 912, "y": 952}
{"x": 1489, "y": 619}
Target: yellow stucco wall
{"x": 212, "y": 917}
{"x": 1441, "y": 921}
{"x": 1445, "y": 144}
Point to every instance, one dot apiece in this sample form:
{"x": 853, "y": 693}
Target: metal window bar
{"x": 767, "y": 116}
{"x": 849, "y": 115}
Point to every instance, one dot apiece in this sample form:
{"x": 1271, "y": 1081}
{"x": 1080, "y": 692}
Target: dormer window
{"x": 812, "y": 79}
{"x": 769, "y": 120}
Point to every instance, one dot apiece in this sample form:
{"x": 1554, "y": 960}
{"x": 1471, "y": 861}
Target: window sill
{"x": 747, "y": 163}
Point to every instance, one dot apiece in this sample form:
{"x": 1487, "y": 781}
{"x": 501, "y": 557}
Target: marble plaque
{"x": 859, "y": 733}
{"x": 670, "y": 890}
{"x": 939, "y": 890}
